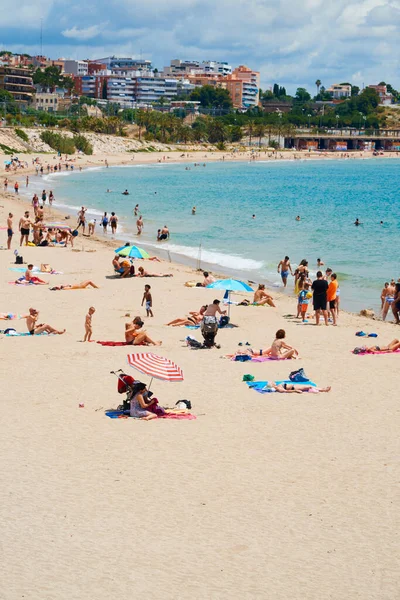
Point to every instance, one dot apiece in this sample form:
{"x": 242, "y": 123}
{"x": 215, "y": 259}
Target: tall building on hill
{"x": 18, "y": 82}
{"x": 117, "y": 62}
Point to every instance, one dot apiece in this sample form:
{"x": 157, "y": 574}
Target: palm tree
{"x": 250, "y": 130}
{"x": 318, "y": 84}
{"x": 259, "y": 131}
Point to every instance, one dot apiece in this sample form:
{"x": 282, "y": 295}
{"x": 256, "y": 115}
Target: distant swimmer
{"x": 253, "y": 217}
{"x": 108, "y": 191}
{"x": 320, "y": 263}
{"x": 381, "y": 223}
{"x": 298, "y": 218}
{"x": 357, "y": 222}
{"x": 125, "y": 193}
{"x": 193, "y": 210}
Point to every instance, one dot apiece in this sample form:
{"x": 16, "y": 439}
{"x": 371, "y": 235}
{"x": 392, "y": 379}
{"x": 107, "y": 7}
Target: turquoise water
{"x": 328, "y": 195}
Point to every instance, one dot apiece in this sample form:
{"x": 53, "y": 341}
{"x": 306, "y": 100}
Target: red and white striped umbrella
{"x": 155, "y": 366}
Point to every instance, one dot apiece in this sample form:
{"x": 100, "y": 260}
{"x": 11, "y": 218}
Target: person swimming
{"x": 125, "y": 193}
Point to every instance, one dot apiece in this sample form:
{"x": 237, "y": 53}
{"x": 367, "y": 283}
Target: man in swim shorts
{"x": 320, "y": 288}
{"x": 10, "y": 232}
{"x": 283, "y": 268}
{"x": 24, "y": 227}
{"x": 35, "y": 329}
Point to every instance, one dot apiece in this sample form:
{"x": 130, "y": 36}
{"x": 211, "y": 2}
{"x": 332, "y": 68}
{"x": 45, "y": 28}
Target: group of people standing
{"x": 324, "y": 290}
{"x": 390, "y": 300}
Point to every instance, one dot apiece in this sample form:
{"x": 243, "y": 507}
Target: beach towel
{"x": 246, "y": 357}
{"x": 35, "y": 270}
{"x": 114, "y": 343}
{"x": 119, "y": 414}
{"x": 9, "y": 317}
{"x": 25, "y": 333}
{"x": 192, "y": 326}
{"x": 260, "y": 386}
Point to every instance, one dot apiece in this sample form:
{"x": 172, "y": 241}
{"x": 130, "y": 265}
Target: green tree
{"x": 318, "y": 84}
{"x": 302, "y": 95}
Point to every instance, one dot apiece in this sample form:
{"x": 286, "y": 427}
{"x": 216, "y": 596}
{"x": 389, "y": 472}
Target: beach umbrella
{"x": 155, "y": 366}
{"x": 230, "y": 285}
{"x": 132, "y": 252}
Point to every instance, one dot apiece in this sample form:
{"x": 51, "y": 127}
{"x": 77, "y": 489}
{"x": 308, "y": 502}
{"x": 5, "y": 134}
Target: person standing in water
{"x": 283, "y": 268}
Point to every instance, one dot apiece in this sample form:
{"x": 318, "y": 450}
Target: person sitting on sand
{"x": 194, "y": 318}
{"x": 77, "y": 286}
{"x": 34, "y": 328}
{"x": 124, "y": 267}
{"x": 261, "y": 297}
{"x": 140, "y": 402}
{"x": 208, "y": 278}
{"x": 277, "y": 350}
{"x": 291, "y": 388}
{"x": 29, "y": 278}
{"x": 143, "y": 273}
{"x": 135, "y": 337}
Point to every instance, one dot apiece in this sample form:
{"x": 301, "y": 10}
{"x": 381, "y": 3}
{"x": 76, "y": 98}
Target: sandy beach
{"x": 281, "y": 496}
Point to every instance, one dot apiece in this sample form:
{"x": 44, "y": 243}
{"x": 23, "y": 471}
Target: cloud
{"x": 86, "y": 33}
{"x": 292, "y": 43}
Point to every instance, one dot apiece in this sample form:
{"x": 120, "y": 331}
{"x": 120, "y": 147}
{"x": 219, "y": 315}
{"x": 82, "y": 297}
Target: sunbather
{"x": 141, "y": 402}
{"x": 277, "y": 350}
{"x": 34, "y": 328}
{"x": 134, "y": 336}
{"x": 392, "y": 347}
{"x": 298, "y": 388}
{"x": 29, "y": 278}
{"x": 143, "y": 273}
{"x": 261, "y": 297}
{"x": 77, "y": 286}
{"x": 194, "y": 318}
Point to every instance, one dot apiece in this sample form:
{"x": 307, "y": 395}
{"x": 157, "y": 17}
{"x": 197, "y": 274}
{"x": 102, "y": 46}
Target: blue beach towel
{"x": 259, "y": 386}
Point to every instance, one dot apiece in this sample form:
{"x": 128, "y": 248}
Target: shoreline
{"x": 160, "y": 251}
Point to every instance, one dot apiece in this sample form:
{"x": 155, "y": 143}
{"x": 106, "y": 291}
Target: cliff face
{"x": 102, "y": 143}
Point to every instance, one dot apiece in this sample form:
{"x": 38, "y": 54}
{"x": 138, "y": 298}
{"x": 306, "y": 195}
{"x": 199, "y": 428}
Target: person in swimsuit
{"x": 261, "y": 297}
{"x": 194, "y": 318}
{"x": 291, "y": 388}
{"x": 283, "y": 268}
{"x": 396, "y": 303}
{"x": 24, "y": 227}
{"x": 384, "y": 294}
{"x": 104, "y": 222}
{"x": 389, "y": 299}
{"x": 164, "y": 235}
{"x": 77, "y": 286}
{"x": 140, "y": 402}
{"x": 147, "y": 297}
{"x": 143, "y": 273}
{"x": 35, "y": 329}
{"x": 279, "y": 348}
{"x": 139, "y": 225}
{"x": 10, "y": 231}
{"x": 135, "y": 337}
{"x": 82, "y": 219}
{"x": 113, "y": 223}
{"x": 392, "y": 347}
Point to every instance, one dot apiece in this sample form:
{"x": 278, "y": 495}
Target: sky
{"x": 291, "y": 42}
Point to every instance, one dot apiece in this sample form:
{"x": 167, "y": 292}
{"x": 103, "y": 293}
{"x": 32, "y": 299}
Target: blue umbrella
{"x": 230, "y": 285}
{"x": 132, "y": 252}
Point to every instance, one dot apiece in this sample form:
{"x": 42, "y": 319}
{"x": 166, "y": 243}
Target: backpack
{"x": 224, "y": 321}
{"x": 298, "y": 376}
{"x": 19, "y": 260}
{"x": 193, "y": 343}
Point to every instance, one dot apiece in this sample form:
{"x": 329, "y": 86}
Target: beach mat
{"x": 259, "y": 386}
{"x": 259, "y": 359}
{"x": 114, "y": 343}
{"x": 119, "y": 414}
{"x": 25, "y": 333}
{"x": 375, "y": 353}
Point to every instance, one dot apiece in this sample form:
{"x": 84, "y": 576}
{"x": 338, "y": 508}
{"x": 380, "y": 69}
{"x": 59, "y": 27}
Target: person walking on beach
{"x": 320, "y": 288}
{"x": 303, "y": 301}
{"x": 16, "y": 187}
{"x": 88, "y": 325}
{"x": 82, "y": 219}
{"x": 148, "y": 299}
{"x": 24, "y": 228}
{"x": 139, "y": 225}
{"x": 5, "y": 184}
{"x": 113, "y": 223}
{"x": 283, "y": 268}
{"x": 44, "y": 197}
{"x": 10, "y": 232}
{"x": 104, "y": 222}
{"x": 51, "y": 198}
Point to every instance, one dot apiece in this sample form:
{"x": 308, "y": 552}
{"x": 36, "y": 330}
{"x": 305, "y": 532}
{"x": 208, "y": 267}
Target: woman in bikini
{"x": 291, "y": 388}
{"x": 135, "y": 337}
{"x": 279, "y": 348}
{"x": 261, "y": 297}
{"x": 78, "y": 286}
{"x": 194, "y": 318}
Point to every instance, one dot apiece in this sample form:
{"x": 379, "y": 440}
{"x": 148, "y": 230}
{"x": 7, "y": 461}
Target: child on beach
{"x": 148, "y": 299}
{"x": 304, "y": 299}
{"x": 88, "y": 325}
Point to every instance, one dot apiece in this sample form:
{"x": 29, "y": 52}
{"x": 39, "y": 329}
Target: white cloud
{"x": 86, "y": 33}
{"x": 289, "y": 41}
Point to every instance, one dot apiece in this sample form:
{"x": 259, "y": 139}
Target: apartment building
{"x": 46, "y": 101}
{"x": 250, "y": 85}
{"x": 78, "y": 68}
{"x": 18, "y": 82}
{"x": 194, "y": 67}
{"x": 116, "y": 62}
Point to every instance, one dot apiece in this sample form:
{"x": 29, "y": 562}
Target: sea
{"x": 245, "y": 220}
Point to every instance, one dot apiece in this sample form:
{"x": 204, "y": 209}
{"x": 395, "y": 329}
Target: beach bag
{"x": 193, "y": 343}
{"x": 298, "y": 376}
{"x": 19, "y": 260}
{"x": 224, "y": 321}
{"x": 242, "y": 358}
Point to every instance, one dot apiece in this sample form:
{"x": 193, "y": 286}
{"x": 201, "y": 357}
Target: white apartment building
{"x": 191, "y": 67}
{"x": 76, "y": 67}
{"x": 46, "y": 101}
{"x": 117, "y": 62}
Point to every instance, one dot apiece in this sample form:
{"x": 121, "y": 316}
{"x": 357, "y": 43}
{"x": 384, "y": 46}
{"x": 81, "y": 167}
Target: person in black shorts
{"x": 320, "y": 288}
{"x": 10, "y": 232}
